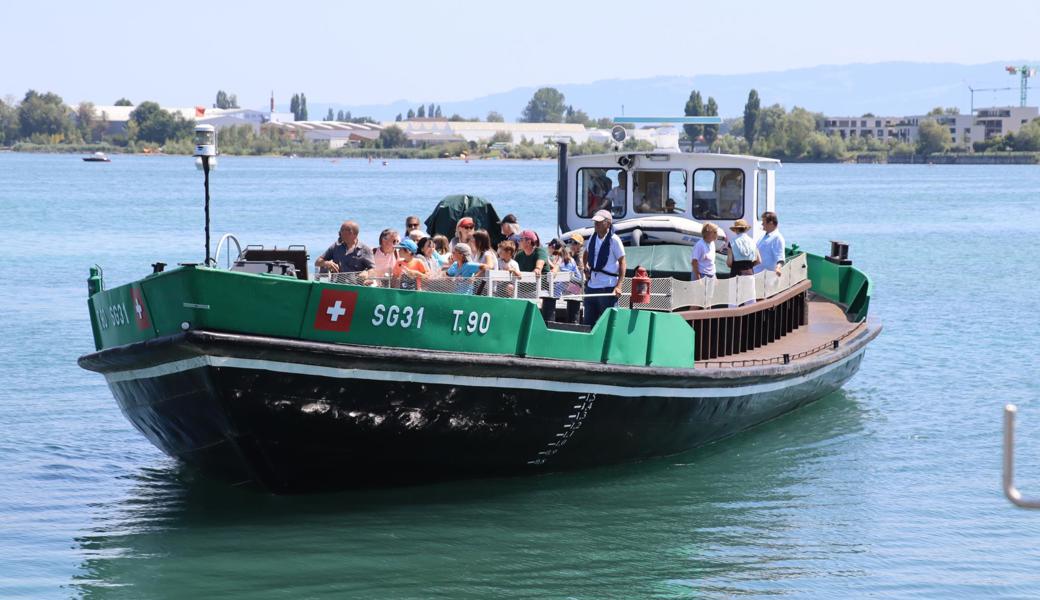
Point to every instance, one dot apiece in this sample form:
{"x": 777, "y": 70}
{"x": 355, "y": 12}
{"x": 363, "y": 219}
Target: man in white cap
{"x": 604, "y": 264}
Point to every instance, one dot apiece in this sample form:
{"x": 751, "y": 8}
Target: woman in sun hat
{"x": 743, "y": 254}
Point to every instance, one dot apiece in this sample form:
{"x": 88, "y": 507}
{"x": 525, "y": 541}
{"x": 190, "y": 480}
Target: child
{"x": 506, "y": 252}
{"x": 409, "y": 270}
{"x": 442, "y": 250}
{"x": 569, "y": 278}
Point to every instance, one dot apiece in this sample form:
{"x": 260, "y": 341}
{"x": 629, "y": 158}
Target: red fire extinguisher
{"x": 640, "y": 287}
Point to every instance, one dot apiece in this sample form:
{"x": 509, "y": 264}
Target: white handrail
{"x": 220, "y": 245}
{"x": 1012, "y": 493}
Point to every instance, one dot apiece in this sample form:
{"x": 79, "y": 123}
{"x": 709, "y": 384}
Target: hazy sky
{"x": 374, "y": 52}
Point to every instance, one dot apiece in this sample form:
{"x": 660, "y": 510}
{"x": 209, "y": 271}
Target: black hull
{"x": 296, "y": 416}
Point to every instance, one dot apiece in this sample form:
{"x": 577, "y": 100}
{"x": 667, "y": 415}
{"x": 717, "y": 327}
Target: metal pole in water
{"x": 1012, "y": 493}
{"x": 205, "y": 171}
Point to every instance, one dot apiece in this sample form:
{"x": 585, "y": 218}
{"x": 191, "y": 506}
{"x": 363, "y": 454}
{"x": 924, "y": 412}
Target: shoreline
{"x": 1002, "y": 158}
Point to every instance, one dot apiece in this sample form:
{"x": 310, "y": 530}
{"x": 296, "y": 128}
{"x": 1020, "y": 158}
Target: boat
{"x": 268, "y": 375}
{"x": 97, "y": 157}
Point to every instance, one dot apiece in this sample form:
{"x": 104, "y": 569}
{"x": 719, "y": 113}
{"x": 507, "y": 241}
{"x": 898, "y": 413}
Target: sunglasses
{"x": 411, "y": 225}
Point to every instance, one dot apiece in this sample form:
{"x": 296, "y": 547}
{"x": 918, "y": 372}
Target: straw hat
{"x": 739, "y": 226}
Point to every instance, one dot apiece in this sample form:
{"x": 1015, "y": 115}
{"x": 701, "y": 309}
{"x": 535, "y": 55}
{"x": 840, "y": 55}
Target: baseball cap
{"x": 529, "y": 235}
{"x": 466, "y": 222}
{"x": 510, "y": 218}
{"x": 602, "y": 215}
{"x": 409, "y": 245}
{"x": 577, "y": 238}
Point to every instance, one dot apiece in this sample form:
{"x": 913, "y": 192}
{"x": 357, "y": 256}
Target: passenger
{"x": 568, "y": 276}
{"x": 416, "y": 234}
{"x": 703, "y": 259}
{"x": 743, "y": 255}
{"x": 771, "y": 246}
{"x": 462, "y": 262}
{"x": 532, "y": 257}
{"x": 348, "y": 254}
{"x": 482, "y": 251}
{"x": 428, "y": 256}
{"x": 442, "y": 250}
{"x": 731, "y": 194}
{"x": 506, "y": 252}
{"x": 615, "y": 199}
{"x": 463, "y": 231}
{"x": 511, "y": 228}
{"x": 604, "y": 267}
{"x": 412, "y": 223}
{"x": 576, "y": 243}
{"x": 553, "y": 248}
{"x": 385, "y": 256}
{"x": 409, "y": 271}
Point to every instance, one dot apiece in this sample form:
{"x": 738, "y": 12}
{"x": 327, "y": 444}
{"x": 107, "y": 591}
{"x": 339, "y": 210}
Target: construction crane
{"x": 973, "y": 90}
{"x": 1024, "y": 72}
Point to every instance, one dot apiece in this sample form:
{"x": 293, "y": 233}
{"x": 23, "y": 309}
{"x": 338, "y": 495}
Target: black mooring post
{"x": 205, "y": 171}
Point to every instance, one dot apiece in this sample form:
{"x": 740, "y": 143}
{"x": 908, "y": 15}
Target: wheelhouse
{"x": 685, "y": 189}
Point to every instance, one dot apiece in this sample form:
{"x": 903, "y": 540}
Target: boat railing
{"x": 666, "y": 294}
{"x": 1012, "y": 493}
{"x": 225, "y": 239}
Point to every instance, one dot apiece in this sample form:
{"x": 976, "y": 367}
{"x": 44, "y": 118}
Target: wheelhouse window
{"x": 718, "y": 194}
{"x": 762, "y": 179}
{"x": 600, "y": 189}
{"x": 659, "y": 192}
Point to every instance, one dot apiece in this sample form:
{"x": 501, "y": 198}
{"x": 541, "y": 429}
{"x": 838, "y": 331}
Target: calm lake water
{"x": 888, "y": 489}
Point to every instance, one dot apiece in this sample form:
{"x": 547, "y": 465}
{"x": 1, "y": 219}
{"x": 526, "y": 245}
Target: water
{"x": 889, "y": 488}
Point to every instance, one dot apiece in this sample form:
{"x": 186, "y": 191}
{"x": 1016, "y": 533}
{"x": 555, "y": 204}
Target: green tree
{"x": 429, "y": 111}
{"x": 44, "y": 114}
{"x": 294, "y": 106}
{"x": 437, "y": 113}
{"x": 711, "y": 132}
{"x": 393, "y": 137}
{"x": 123, "y": 102}
{"x": 85, "y": 121}
{"x": 8, "y": 124}
{"x": 421, "y": 114}
{"x": 751, "y": 112}
{"x": 694, "y": 108}
{"x": 222, "y": 100}
{"x": 410, "y": 115}
{"x": 1028, "y": 137}
{"x": 330, "y": 116}
{"x": 501, "y": 137}
{"x": 398, "y": 118}
{"x": 935, "y": 112}
{"x": 153, "y": 124}
{"x": 545, "y": 106}
{"x": 495, "y": 117}
{"x": 303, "y": 107}
{"x": 932, "y": 137}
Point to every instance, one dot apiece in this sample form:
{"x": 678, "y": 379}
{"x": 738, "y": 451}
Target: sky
{"x": 180, "y": 54}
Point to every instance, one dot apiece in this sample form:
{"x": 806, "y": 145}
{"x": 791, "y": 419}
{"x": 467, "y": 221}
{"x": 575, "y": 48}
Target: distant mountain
{"x": 892, "y": 88}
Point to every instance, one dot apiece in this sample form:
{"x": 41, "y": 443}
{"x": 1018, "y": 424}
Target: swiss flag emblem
{"x": 140, "y": 310}
{"x": 335, "y": 310}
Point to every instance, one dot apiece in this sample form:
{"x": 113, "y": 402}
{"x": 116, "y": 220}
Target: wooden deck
{"x": 826, "y": 323}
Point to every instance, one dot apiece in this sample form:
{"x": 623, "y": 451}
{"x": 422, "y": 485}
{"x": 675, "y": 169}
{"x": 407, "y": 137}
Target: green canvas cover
{"x": 452, "y": 208}
{"x": 666, "y": 260}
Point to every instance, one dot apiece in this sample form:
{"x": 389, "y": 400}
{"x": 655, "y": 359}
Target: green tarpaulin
{"x": 452, "y": 208}
{"x": 666, "y": 260}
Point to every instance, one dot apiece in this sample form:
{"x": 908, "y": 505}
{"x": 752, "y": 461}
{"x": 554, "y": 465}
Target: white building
{"x": 472, "y": 131}
{"x": 336, "y": 133}
{"x": 118, "y": 116}
{"x": 964, "y": 129}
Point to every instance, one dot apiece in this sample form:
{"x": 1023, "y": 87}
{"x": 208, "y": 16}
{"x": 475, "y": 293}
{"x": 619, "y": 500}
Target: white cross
{"x": 138, "y": 310}
{"x": 336, "y": 310}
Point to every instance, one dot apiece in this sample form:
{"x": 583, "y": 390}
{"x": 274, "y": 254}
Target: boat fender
{"x": 637, "y": 237}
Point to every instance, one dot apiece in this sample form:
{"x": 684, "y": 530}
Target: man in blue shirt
{"x": 771, "y": 245}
